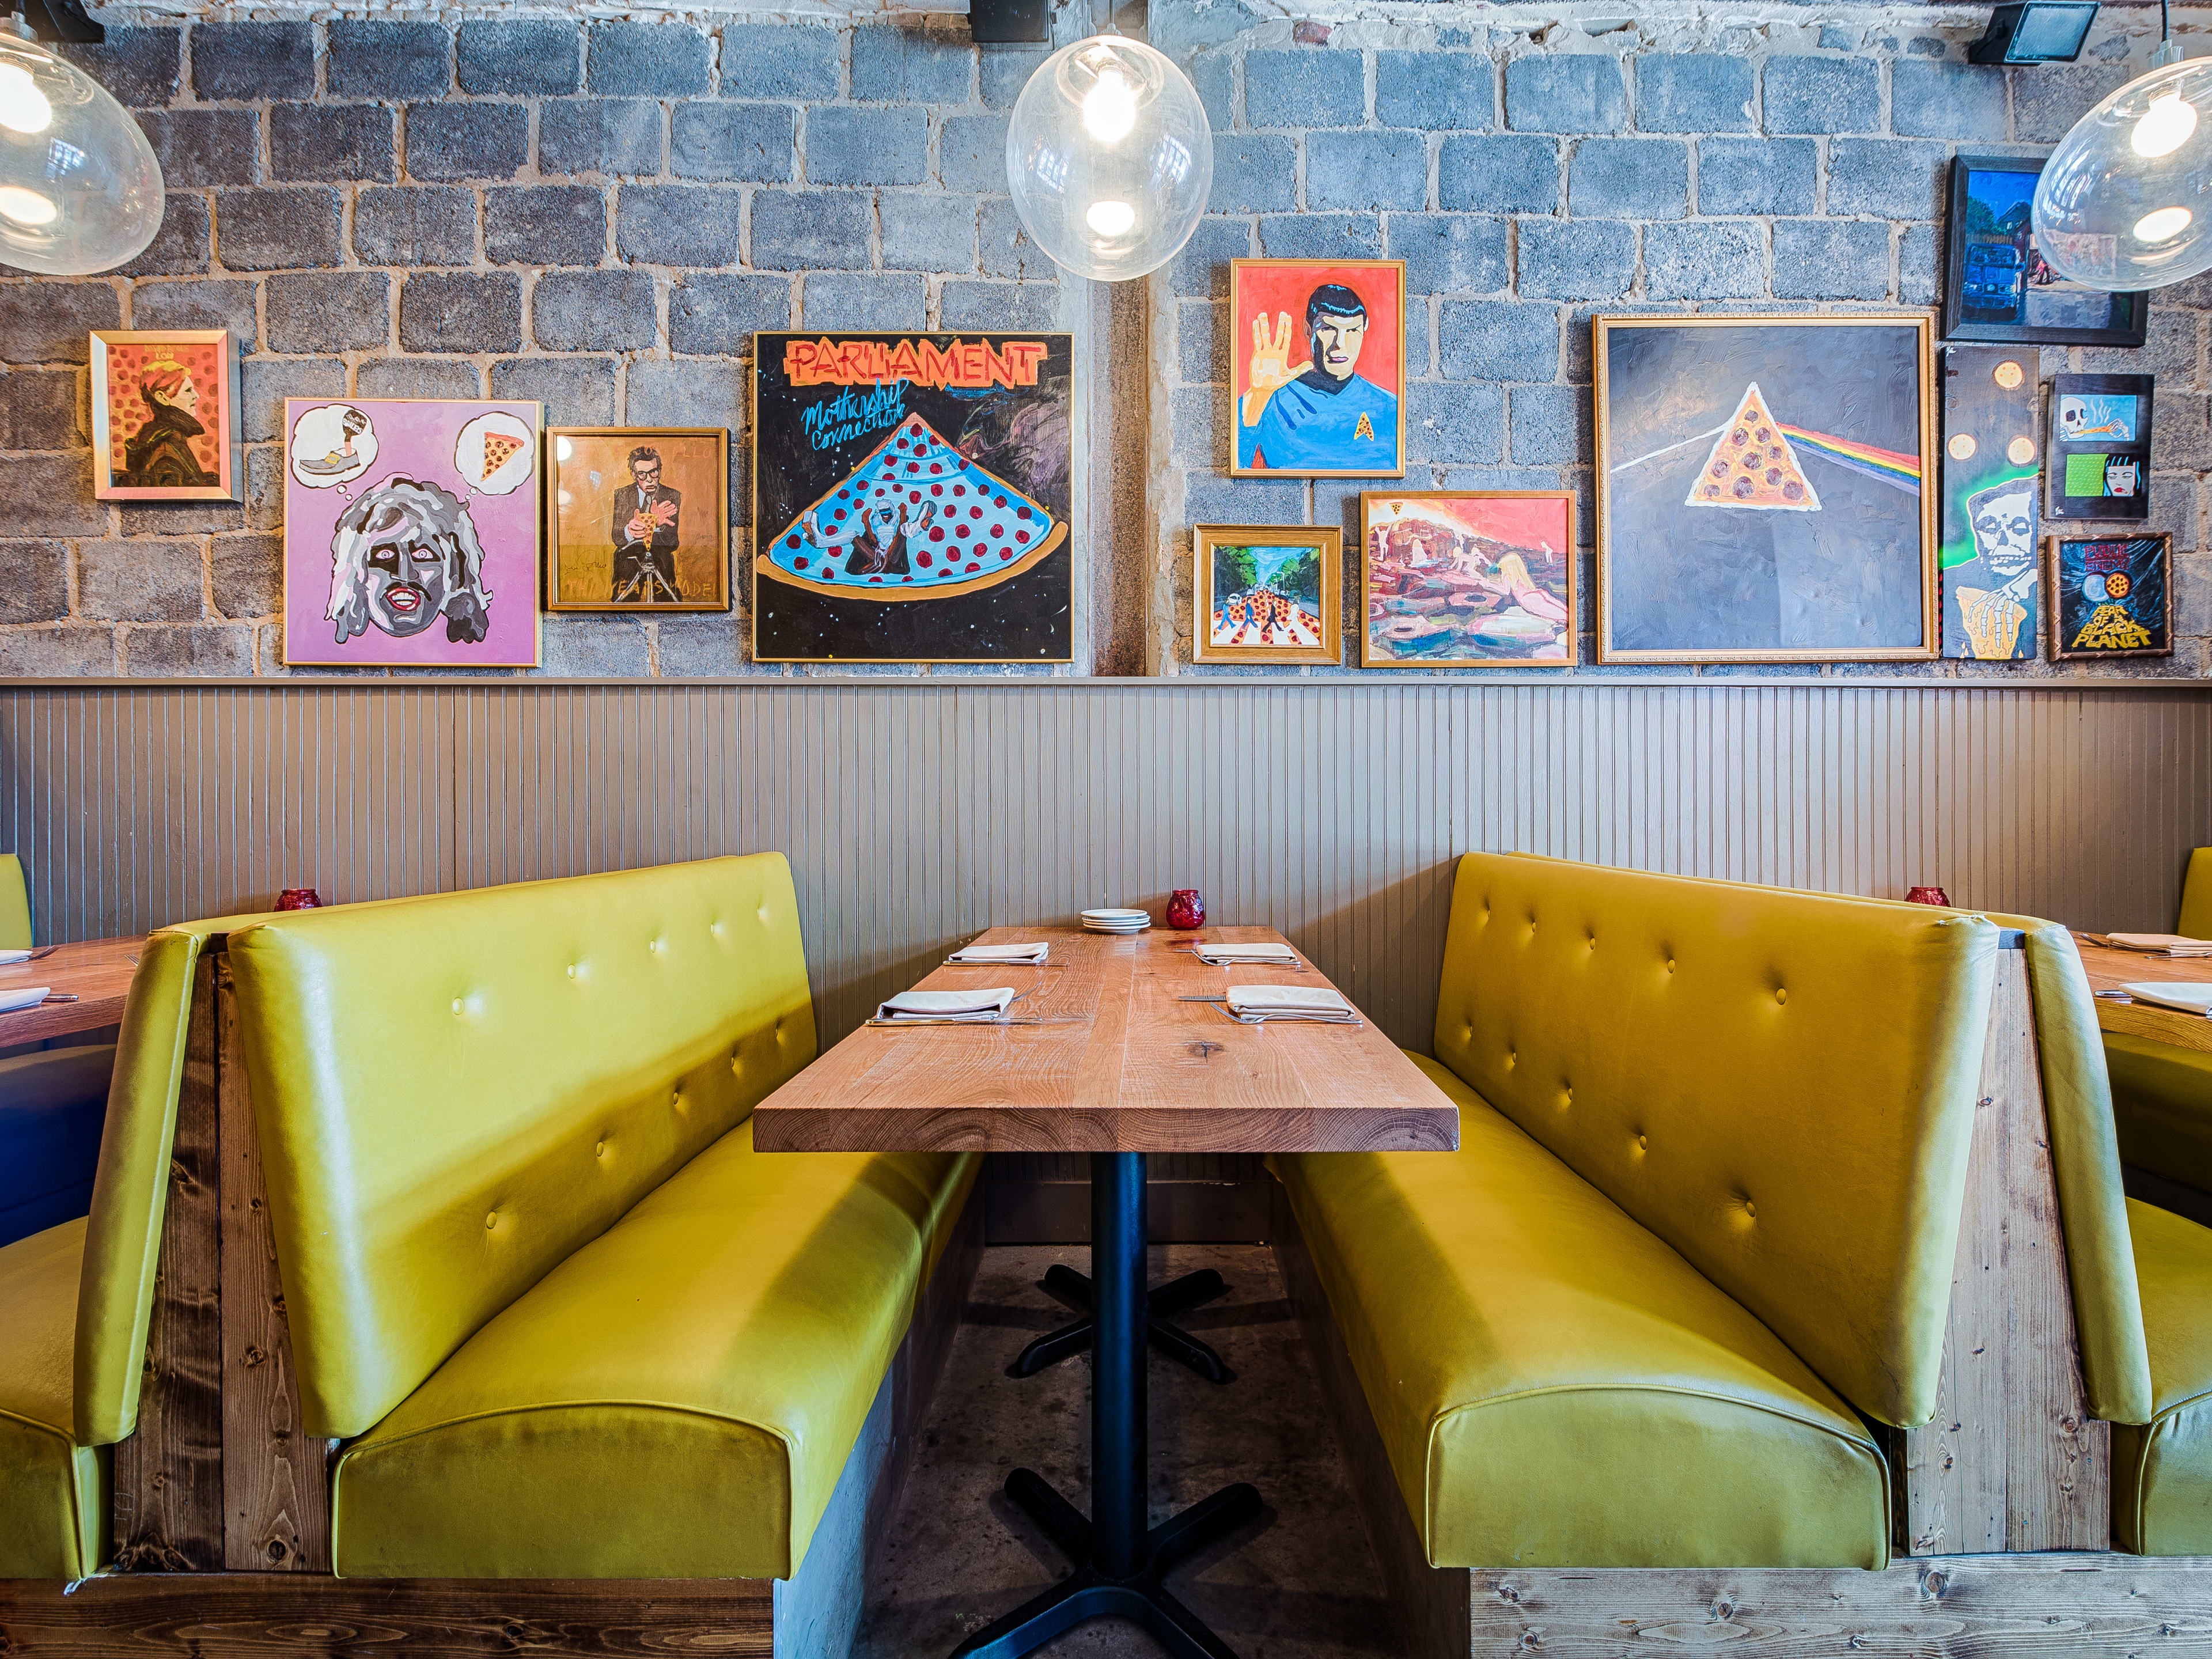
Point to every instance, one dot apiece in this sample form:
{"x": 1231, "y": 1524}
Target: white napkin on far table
{"x": 9, "y": 956}
{"x": 29, "y": 997}
{"x": 2172, "y": 945}
{"x": 1224, "y": 956}
{"x": 1255, "y": 1003}
{"x": 972, "y": 1006}
{"x": 1032, "y": 952}
{"x": 2191, "y": 998}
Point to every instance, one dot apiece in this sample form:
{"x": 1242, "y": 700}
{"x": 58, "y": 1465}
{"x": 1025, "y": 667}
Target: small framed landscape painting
{"x": 640, "y": 519}
{"x": 164, "y": 415}
{"x": 410, "y": 532}
{"x": 2110, "y": 596}
{"x": 1997, "y": 287}
{"x": 1459, "y": 578}
{"x": 1317, "y": 359}
{"x": 1266, "y": 593}
{"x": 1764, "y": 488}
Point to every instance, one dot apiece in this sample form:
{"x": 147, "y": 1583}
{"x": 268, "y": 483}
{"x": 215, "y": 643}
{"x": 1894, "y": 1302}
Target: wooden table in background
{"x": 1117, "y": 1065}
{"x": 2109, "y": 967}
{"x": 98, "y": 971}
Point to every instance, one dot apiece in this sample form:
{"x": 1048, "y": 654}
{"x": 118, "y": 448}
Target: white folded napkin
{"x": 7, "y": 957}
{"x": 2172, "y": 945}
{"x": 1033, "y": 953}
{"x": 1253, "y": 1003}
{"x": 1224, "y": 955}
{"x": 975, "y": 1006}
{"x": 29, "y": 997}
{"x": 2189, "y": 998}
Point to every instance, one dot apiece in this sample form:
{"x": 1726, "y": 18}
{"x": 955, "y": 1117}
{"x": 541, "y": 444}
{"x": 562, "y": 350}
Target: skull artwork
{"x": 2004, "y": 518}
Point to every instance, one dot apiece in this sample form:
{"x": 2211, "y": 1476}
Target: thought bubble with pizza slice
{"x": 495, "y": 454}
{"x": 1752, "y": 465}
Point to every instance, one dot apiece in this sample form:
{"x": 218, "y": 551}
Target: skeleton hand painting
{"x": 1996, "y": 590}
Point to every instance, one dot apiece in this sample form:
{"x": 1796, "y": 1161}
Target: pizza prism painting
{"x": 410, "y": 532}
{"x": 164, "y": 415}
{"x": 1762, "y": 489}
{"x": 639, "y": 518}
{"x": 1317, "y": 359}
{"x": 912, "y": 496}
{"x": 1267, "y": 594}
{"x": 2111, "y": 596}
{"x": 1452, "y": 579}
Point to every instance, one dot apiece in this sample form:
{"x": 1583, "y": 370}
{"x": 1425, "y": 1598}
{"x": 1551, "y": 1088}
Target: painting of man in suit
{"x": 641, "y": 519}
{"x": 644, "y": 529}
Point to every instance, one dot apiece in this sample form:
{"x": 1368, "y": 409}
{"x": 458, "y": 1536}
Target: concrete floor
{"x": 1299, "y": 1583}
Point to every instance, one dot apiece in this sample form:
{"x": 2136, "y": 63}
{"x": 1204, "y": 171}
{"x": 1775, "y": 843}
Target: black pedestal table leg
{"x": 1171, "y": 1340}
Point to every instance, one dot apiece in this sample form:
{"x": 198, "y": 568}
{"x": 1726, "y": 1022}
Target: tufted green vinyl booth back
{"x": 455, "y": 1094}
{"x": 1780, "y": 1085}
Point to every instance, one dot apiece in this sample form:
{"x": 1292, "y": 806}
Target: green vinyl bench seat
{"x": 53, "y": 1488}
{"x": 2162, "y": 1470}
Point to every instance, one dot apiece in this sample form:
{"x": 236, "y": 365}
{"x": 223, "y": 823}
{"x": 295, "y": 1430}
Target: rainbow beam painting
{"x": 1889, "y": 466}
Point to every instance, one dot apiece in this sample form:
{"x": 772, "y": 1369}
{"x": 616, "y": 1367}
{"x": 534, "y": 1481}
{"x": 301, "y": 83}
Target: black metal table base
{"x": 1176, "y": 1295}
{"x": 1119, "y": 1560}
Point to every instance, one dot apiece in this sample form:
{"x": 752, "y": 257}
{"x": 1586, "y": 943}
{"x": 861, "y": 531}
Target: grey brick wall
{"x": 595, "y": 214}
{"x": 1529, "y": 184}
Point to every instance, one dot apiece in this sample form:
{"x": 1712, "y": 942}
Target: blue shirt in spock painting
{"x": 1315, "y": 423}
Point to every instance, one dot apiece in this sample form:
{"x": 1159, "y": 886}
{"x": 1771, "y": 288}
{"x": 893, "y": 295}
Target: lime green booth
{"x": 2162, "y": 1094}
{"x": 1699, "y": 1231}
{"x": 76, "y": 1298}
{"x": 567, "y": 1321}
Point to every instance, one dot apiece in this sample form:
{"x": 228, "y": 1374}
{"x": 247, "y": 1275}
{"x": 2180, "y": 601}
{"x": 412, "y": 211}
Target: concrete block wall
{"x": 594, "y": 212}
{"x": 1532, "y": 175}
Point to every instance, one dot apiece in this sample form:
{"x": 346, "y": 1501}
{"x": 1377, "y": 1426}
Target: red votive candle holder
{"x": 298, "y": 898}
{"x": 1927, "y": 895}
{"x": 1186, "y": 909}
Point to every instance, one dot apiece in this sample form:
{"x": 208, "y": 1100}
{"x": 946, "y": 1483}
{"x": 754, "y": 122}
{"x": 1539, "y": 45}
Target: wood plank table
{"x": 1117, "y": 1063}
{"x": 2109, "y": 967}
{"x": 97, "y": 972}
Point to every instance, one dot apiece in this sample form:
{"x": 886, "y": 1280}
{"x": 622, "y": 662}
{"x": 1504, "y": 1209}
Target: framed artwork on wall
{"x": 2110, "y": 596}
{"x": 912, "y": 493}
{"x": 1997, "y": 287}
{"x": 410, "y": 532}
{"x": 1317, "y": 362}
{"x": 1992, "y": 611}
{"x": 639, "y": 518}
{"x": 1760, "y": 488}
{"x": 2100, "y": 446}
{"x": 1466, "y": 578}
{"x": 1267, "y": 594}
{"x": 164, "y": 415}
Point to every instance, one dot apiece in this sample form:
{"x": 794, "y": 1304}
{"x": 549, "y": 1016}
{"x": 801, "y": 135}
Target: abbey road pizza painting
{"x": 1762, "y": 490}
{"x": 911, "y": 494}
{"x": 410, "y": 532}
{"x": 1265, "y": 593}
{"x": 1317, "y": 359}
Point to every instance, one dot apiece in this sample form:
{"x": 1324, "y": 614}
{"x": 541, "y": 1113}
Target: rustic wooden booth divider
{"x": 222, "y": 1506}
{"x": 2002, "y": 1511}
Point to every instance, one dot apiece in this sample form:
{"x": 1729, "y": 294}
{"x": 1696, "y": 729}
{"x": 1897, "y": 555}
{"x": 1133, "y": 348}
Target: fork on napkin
{"x": 1231, "y": 956}
{"x": 1255, "y": 1003}
{"x": 963, "y": 1008}
{"x": 1013, "y": 953}
{"x": 12, "y": 1001}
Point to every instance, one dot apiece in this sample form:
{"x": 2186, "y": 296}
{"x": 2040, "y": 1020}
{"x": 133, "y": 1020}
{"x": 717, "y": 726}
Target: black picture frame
{"x": 2128, "y": 444}
{"x": 2129, "y": 314}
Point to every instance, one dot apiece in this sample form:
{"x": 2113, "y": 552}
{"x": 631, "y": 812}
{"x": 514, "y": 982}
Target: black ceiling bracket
{"x": 62, "y": 20}
{"x": 1009, "y": 22}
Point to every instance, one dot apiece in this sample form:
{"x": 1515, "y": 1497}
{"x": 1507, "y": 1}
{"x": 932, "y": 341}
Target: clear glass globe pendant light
{"x": 1110, "y": 158}
{"x": 2125, "y": 201}
{"x": 80, "y": 189}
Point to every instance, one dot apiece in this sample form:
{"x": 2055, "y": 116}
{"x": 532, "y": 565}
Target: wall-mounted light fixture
{"x": 2038, "y": 32}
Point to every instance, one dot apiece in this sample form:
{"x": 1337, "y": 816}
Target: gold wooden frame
{"x": 2059, "y": 653}
{"x": 1931, "y": 616}
{"x": 1326, "y": 539}
{"x": 1236, "y": 270}
{"x": 228, "y": 473}
{"x": 1368, "y": 658}
{"x": 633, "y": 436}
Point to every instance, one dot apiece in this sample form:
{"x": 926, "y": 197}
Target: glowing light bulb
{"x": 2162, "y": 225}
{"x": 26, "y": 207}
{"x": 2165, "y": 126}
{"x": 1110, "y": 218}
{"x": 1109, "y": 108}
{"x": 23, "y": 107}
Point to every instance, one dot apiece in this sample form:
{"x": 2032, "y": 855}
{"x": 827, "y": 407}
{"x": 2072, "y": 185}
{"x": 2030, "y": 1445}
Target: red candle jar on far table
{"x": 1927, "y": 895}
{"x": 1186, "y": 909}
{"x": 298, "y": 898}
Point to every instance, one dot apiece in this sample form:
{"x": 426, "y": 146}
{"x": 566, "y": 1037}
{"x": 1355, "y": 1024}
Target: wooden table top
{"x": 2109, "y": 967}
{"x": 97, "y": 971}
{"x": 1123, "y": 1066}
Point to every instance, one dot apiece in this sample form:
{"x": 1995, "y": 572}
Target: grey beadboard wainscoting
{"x": 915, "y": 815}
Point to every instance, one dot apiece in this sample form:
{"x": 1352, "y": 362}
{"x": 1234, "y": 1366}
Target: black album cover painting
{"x": 911, "y": 495}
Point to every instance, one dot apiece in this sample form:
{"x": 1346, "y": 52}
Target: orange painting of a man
{"x": 159, "y": 455}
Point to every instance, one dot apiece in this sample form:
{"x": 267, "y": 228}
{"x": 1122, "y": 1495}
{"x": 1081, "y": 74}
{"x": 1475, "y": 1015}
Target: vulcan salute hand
{"x": 1271, "y": 364}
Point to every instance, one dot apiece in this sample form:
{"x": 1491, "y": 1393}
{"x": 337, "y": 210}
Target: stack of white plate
{"x": 1117, "y": 921}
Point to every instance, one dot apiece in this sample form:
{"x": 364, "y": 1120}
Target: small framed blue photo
{"x": 1997, "y": 287}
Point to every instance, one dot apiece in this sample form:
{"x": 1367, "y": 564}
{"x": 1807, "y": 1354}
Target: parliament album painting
{"x": 911, "y": 495}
